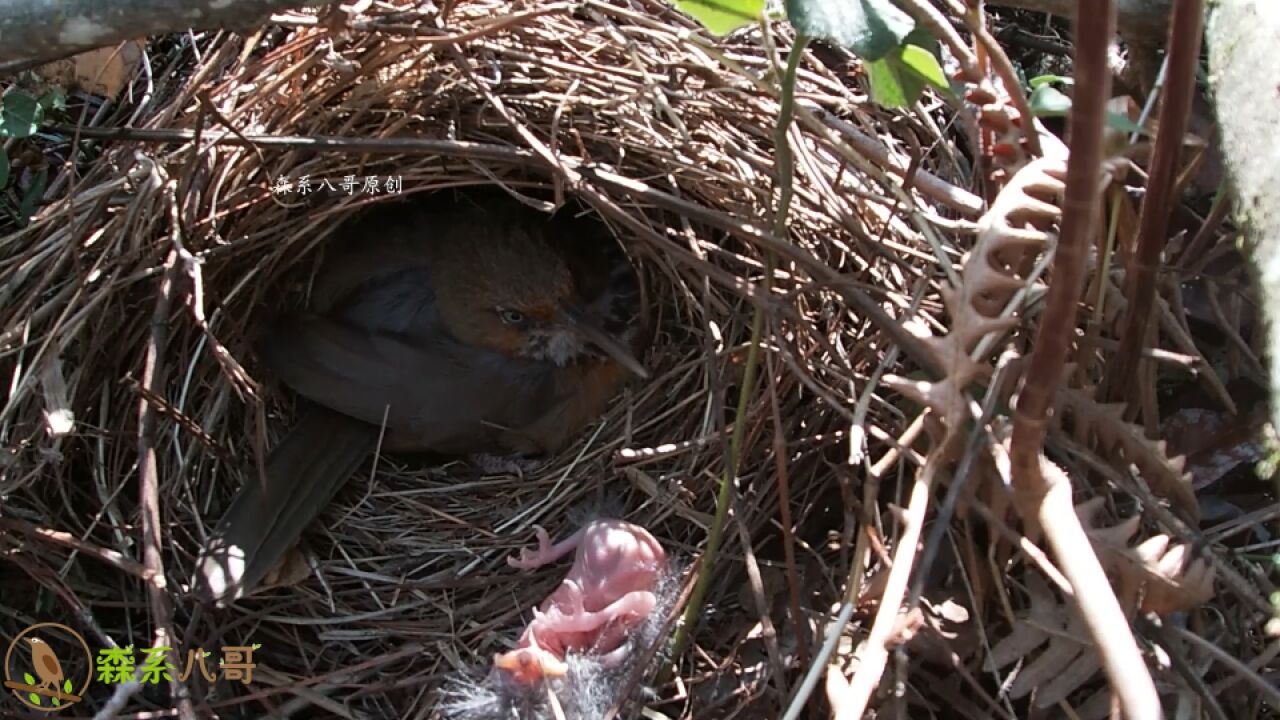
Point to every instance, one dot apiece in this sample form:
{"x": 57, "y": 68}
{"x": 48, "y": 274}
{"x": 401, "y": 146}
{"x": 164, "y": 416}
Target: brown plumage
{"x": 476, "y": 327}
{"x": 46, "y": 664}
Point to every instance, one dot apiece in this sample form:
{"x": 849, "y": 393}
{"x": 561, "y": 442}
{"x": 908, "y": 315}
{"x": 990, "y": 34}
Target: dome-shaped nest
{"x": 135, "y": 405}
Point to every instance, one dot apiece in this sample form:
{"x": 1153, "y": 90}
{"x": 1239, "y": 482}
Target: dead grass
{"x": 409, "y": 583}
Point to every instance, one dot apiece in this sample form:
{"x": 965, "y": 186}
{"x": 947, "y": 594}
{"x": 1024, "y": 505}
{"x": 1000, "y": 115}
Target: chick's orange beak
{"x": 529, "y": 665}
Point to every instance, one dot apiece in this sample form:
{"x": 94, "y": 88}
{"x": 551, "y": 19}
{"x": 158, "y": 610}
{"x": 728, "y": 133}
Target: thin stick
{"x": 429, "y": 36}
{"x": 1189, "y": 672}
{"x": 785, "y": 518}
{"x": 148, "y": 476}
{"x": 835, "y": 630}
{"x": 115, "y": 559}
{"x": 371, "y": 146}
{"x": 875, "y": 655}
{"x": 1241, "y": 670}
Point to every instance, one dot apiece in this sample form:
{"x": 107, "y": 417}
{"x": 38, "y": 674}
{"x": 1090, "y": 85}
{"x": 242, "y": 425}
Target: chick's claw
{"x": 546, "y": 552}
{"x": 632, "y": 605}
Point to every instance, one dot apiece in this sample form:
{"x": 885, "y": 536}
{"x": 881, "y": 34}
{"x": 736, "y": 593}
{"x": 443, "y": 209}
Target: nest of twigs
{"x": 135, "y": 407}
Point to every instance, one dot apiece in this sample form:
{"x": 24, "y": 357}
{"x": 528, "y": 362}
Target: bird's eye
{"x": 511, "y": 317}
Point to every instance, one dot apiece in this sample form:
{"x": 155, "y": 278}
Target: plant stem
{"x": 1159, "y": 201}
{"x": 786, "y": 105}
{"x": 1041, "y": 490}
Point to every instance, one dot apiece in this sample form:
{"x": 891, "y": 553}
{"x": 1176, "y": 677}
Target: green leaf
{"x": 870, "y": 28}
{"x": 921, "y": 37}
{"x": 66, "y": 685}
{"x": 722, "y": 17}
{"x": 1048, "y": 101}
{"x": 1116, "y": 121}
{"x": 28, "y": 678}
{"x": 33, "y": 195}
{"x": 54, "y": 99}
{"x": 1039, "y": 80}
{"x": 887, "y": 88}
{"x": 925, "y": 65}
{"x": 20, "y": 113}
{"x": 34, "y": 698}
{"x": 898, "y": 79}
{"x": 4, "y": 168}
{"x": 56, "y": 702}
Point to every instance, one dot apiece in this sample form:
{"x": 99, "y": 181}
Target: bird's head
{"x": 515, "y": 294}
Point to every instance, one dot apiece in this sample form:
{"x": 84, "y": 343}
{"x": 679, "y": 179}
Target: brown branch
{"x": 372, "y": 146}
{"x": 42, "y": 692}
{"x": 929, "y": 184}
{"x": 1079, "y": 214}
{"x": 1127, "y": 671}
{"x": 47, "y": 29}
{"x": 115, "y": 559}
{"x": 1041, "y": 490}
{"x": 1159, "y": 202}
{"x": 153, "y": 373}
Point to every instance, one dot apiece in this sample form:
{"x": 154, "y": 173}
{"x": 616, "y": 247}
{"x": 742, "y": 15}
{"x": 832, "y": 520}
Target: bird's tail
{"x": 267, "y": 516}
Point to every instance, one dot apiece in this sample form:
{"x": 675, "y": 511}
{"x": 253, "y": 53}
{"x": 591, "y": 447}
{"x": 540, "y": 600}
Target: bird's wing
{"x": 370, "y": 247}
{"x": 432, "y": 388}
{"x": 49, "y": 662}
{"x": 266, "y": 518}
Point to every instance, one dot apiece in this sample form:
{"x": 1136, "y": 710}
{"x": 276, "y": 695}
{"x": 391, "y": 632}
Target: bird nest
{"x": 135, "y": 407}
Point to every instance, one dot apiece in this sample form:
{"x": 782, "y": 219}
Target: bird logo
{"x": 37, "y": 677}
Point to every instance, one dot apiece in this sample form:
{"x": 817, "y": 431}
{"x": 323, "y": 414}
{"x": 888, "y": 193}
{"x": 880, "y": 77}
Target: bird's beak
{"x": 578, "y": 322}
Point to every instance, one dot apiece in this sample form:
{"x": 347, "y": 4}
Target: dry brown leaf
{"x": 1015, "y": 229}
{"x": 1103, "y": 426}
{"x": 103, "y": 72}
{"x": 291, "y": 570}
{"x": 1050, "y": 637}
{"x": 1162, "y": 577}
{"x": 1066, "y": 660}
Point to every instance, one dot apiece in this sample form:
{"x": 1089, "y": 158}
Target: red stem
{"x": 1045, "y": 501}
{"x": 1158, "y": 203}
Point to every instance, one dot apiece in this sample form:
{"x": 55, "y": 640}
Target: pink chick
{"x": 609, "y": 591}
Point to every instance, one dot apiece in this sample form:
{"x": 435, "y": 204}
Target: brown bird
{"x": 479, "y": 326}
{"x": 46, "y": 665}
